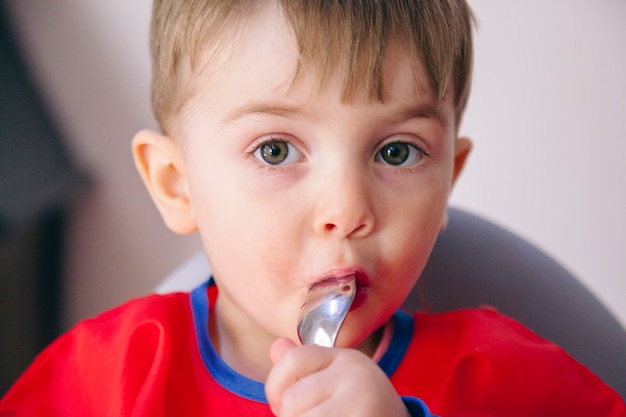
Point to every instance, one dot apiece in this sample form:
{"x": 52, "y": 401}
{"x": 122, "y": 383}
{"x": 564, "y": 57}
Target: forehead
{"x": 262, "y": 60}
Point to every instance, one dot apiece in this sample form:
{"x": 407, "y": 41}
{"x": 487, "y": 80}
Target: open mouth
{"x": 361, "y": 281}
{"x": 359, "y": 296}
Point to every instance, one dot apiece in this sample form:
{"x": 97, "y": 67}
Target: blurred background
{"x": 546, "y": 115}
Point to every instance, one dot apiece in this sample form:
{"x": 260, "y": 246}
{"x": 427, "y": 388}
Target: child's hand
{"x": 328, "y": 382}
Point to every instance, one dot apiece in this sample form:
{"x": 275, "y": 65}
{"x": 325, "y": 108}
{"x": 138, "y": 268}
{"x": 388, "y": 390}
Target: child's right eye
{"x": 277, "y": 152}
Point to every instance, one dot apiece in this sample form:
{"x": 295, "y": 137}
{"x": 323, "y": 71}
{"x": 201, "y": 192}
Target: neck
{"x": 252, "y": 359}
{"x": 249, "y": 359}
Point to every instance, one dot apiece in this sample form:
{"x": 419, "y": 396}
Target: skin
{"x": 333, "y": 206}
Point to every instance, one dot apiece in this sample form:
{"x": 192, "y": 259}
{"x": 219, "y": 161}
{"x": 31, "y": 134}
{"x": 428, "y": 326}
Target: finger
{"x": 306, "y": 395}
{"x": 279, "y": 347}
{"x": 292, "y": 365}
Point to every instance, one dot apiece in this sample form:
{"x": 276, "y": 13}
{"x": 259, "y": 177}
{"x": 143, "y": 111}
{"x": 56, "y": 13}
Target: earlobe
{"x": 158, "y": 160}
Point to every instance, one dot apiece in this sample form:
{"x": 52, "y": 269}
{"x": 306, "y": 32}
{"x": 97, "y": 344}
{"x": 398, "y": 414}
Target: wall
{"x": 546, "y": 115}
{"x": 92, "y": 62}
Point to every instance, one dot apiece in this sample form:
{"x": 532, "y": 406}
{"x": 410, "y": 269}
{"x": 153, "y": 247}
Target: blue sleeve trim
{"x": 416, "y": 407}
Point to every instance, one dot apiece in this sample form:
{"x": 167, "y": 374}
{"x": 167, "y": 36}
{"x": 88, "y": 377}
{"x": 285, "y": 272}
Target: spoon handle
{"x": 325, "y": 310}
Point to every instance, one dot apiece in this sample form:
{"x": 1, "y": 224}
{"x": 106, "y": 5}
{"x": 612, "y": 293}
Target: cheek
{"x": 250, "y": 259}
{"x": 245, "y": 232}
{"x": 410, "y": 234}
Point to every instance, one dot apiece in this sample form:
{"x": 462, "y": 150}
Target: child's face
{"x": 289, "y": 185}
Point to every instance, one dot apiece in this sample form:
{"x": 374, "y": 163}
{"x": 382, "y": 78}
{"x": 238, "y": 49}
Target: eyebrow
{"x": 275, "y": 109}
{"x": 420, "y": 111}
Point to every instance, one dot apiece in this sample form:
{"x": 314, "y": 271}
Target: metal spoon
{"x": 324, "y": 311}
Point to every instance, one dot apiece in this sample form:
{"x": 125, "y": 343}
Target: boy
{"x": 305, "y": 141}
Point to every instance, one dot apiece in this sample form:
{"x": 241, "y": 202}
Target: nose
{"x": 344, "y": 206}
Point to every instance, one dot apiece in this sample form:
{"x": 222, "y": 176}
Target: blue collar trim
{"x": 399, "y": 344}
{"x": 219, "y": 370}
{"x": 255, "y": 391}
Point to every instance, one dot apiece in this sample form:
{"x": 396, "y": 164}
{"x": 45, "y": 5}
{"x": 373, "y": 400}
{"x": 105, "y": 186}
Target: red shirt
{"x": 153, "y": 357}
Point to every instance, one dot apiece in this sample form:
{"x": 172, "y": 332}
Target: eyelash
{"x": 258, "y": 145}
{"x": 415, "y": 146}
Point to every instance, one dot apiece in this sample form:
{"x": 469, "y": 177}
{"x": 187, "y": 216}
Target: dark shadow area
{"x": 38, "y": 183}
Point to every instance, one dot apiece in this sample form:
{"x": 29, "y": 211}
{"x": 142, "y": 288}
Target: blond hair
{"x": 351, "y": 36}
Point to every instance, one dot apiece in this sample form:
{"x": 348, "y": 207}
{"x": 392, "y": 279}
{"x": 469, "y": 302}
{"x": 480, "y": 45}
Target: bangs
{"x": 350, "y": 39}
{"x": 338, "y": 38}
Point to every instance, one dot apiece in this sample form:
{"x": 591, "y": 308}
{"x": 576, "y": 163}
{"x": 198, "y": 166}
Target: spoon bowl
{"x": 324, "y": 311}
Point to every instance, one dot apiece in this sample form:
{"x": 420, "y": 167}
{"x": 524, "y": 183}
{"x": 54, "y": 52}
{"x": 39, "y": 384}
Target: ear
{"x": 462, "y": 149}
{"x": 158, "y": 160}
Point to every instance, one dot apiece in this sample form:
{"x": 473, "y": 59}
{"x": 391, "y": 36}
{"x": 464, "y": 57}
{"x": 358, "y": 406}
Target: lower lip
{"x": 359, "y": 297}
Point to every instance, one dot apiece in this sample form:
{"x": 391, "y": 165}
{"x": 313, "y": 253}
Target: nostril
{"x": 358, "y": 229}
{"x": 331, "y": 227}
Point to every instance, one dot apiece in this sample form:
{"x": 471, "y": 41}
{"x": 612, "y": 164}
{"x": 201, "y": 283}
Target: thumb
{"x": 274, "y": 386}
{"x": 279, "y": 348}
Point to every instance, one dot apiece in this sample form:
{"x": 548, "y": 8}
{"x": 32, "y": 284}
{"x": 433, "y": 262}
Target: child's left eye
{"x": 399, "y": 154}
{"x": 277, "y": 152}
